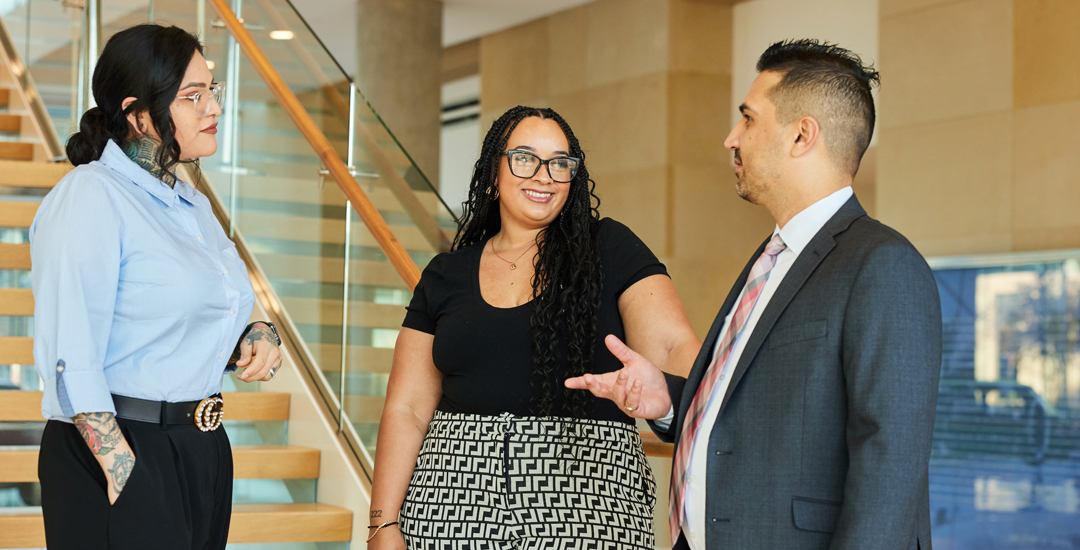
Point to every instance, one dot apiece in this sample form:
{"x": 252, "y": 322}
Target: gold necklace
{"x": 513, "y": 264}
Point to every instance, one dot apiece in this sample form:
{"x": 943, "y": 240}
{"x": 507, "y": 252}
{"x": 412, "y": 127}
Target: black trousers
{"x": 179, "y": 495}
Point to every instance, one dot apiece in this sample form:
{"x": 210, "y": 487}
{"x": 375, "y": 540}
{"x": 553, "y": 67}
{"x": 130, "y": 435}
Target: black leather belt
{"x": 205, "y": 414}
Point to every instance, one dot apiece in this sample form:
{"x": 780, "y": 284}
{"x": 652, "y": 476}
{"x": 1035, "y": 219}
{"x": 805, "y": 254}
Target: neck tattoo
{"x": 143, "y": 150}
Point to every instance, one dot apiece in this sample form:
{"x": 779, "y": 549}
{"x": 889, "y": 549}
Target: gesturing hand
{"x": 259, "y": 354}
{"x": 639, "y": 388}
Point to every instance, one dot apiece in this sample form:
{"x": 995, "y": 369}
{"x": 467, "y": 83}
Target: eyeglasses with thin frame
{"x": 524, "y": 164}
{"x": 217, "y": 94}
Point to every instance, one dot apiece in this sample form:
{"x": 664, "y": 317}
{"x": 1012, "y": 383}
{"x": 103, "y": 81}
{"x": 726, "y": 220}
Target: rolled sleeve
{"x": 75, "y": 250}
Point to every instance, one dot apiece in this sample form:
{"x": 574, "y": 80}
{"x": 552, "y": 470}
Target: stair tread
{"x": 249, "y": 462}
{"x": 23, "y": 173}
{"x": 251, "y": 523}
{"x": 17, "y": 213}
{"x": 10, "y": 122}
{"x": 14, "y": 256}
{"x": 25, "y": 406}
{"x": 16, "y": 350}
{"x": 16, "y": 150}
{"x": 16, "y": 301}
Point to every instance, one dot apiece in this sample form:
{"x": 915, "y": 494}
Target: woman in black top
{"x": 480, "y": 445}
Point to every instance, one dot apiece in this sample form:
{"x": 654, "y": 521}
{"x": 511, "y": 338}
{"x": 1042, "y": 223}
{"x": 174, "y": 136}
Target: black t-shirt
{"x": 485, "y": 352}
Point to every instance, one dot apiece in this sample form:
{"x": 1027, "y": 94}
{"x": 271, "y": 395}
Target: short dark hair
{"x": 832, "y": 85}
{"x": 146, "y": 62}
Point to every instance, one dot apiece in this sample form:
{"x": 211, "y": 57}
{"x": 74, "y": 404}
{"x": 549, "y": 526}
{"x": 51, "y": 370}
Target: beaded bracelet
{"x": 378, "y": 528}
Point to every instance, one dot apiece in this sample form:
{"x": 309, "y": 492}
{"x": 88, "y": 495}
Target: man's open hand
{"x": 639, "y": 388}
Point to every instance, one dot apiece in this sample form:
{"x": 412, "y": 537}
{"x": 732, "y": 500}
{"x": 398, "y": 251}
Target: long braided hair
{"x": 568, "y": 277}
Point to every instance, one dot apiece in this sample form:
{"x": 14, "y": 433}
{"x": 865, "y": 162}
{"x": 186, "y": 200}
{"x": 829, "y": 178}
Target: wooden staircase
{"x": 18, "y": 140}
{"x": 22, "y": 184}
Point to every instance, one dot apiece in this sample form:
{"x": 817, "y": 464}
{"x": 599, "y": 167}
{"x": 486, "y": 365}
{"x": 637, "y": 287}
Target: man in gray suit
{"x": 807, "y": 418}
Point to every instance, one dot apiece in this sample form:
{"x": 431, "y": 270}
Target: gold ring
{"x": 631, "y": 409}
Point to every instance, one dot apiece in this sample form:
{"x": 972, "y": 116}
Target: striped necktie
{"x": 717, "y": 372}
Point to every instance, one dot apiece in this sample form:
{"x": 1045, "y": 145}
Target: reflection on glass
{"x": 1005, "y": 468}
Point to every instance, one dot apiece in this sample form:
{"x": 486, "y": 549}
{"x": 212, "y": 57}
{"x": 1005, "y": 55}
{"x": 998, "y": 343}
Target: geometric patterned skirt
{"x": 508, "y": 482}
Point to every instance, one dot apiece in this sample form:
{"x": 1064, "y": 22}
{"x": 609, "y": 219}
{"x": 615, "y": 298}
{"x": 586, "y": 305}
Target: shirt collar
{"x": 801, "y": 229}
{"x": 114, "y": 158}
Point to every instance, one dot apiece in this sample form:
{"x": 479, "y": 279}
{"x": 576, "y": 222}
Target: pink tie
{"x": 717, "y": 371}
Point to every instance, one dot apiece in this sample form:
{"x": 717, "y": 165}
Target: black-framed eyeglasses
{"x": 524, "y": 164}
{"x": 217, "y": 93}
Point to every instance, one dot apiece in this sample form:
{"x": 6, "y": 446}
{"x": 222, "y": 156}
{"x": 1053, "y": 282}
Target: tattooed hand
{"x": 258, "y": 354}
{"x": 102, "y": 434}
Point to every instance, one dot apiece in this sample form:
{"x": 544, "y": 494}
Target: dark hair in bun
{"x": 146, "y": 62}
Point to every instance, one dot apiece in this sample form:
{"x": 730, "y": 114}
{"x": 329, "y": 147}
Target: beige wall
{"x": 646, "y": 85}
{"x": 977, "y": 151}
{"x": 399, "y": 70}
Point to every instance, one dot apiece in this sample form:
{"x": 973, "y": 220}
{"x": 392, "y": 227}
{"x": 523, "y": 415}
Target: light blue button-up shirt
{"x": 137, "y": 290}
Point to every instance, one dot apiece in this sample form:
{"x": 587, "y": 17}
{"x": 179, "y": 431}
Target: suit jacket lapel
{"x": 693, "y": 380}
{"x": 796, "y": 277}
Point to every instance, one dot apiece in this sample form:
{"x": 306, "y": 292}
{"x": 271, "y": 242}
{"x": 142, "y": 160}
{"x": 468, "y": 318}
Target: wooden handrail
{"x": 405, "y": 195}
{"x": 396, "y": 253}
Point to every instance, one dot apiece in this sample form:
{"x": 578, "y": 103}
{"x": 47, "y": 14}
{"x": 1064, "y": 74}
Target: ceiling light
{"x": 281, "y": 35}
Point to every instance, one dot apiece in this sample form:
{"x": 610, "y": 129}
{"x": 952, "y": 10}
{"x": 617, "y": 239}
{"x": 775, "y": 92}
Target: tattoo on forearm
{"x": 121, "y": 470}
{"x": 100, "y": 430}
{"x": 376, "y": 513}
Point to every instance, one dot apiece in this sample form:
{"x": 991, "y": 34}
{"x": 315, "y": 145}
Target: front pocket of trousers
{"x": 130, "y": 484}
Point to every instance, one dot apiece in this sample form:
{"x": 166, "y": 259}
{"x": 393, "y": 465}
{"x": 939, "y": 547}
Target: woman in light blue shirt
{"x": 141, "y": 305}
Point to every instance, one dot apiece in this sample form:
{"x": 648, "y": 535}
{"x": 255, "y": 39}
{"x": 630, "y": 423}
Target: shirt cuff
{"x": 664, "y": 423}
{"x": 80, "y": 392}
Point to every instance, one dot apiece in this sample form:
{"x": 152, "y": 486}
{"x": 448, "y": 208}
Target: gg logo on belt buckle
{"x": 209, "y": 413}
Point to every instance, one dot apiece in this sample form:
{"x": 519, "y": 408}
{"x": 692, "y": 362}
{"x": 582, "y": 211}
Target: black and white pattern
{"x": 508, "y": 482}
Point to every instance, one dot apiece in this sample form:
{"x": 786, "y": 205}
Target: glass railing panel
{"x": 268, "y": 177}
{"x": 374, "y": 297}
{"x": 377, "y": 295}
{"x": 47, "y": 34}
{"x": 335, "y": 284}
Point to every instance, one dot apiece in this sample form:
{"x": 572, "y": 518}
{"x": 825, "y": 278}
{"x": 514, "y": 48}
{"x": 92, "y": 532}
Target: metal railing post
{"x": 348, "y": 243}
{"x": 200, "y": 20}
{"x": 231, "y": 141}
{"x": 91, "y": 50}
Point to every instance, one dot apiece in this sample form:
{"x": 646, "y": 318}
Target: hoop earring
{"x": 494, "y": 196}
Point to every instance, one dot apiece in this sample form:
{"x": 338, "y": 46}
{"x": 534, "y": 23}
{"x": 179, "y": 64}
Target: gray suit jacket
{"x": 823, "y": 440}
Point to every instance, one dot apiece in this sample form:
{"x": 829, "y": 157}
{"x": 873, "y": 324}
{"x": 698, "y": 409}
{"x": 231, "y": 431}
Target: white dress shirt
{"x": 796, "y": 235}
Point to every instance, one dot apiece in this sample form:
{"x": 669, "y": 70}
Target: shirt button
{"x": 232, "y": 312}
{"x": 221, "y": 356}
{"x": 693, "y": 536}
{"x": 198, "y": 238}
{"x": 59, "y": 368}
{"x": 714, "y": 520}
{"x": 224, "y": 271}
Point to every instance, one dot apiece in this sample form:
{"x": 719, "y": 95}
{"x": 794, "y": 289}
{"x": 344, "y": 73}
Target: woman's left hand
{"x": 259, "y": 354}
